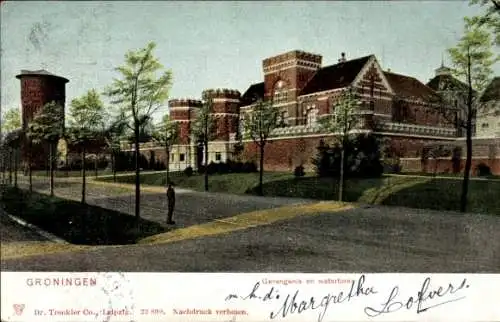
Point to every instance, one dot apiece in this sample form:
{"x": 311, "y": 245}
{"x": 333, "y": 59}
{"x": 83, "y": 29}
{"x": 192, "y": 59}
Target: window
{"x": 172, "y": 157}
{"x": 485, "y": 125}
{"x": 181, "y": 157}
{"x": 282, "y": 119}
{"x": 311, "y": 116}
{"x": 218, "y": 156}
{"x": 280, "y": 93}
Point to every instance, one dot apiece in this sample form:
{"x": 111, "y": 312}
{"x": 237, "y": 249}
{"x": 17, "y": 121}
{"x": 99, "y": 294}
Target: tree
{"x": 204, "y": 129}
{"x": 166, "y": 134}
{"x": 13, "y": 142}
{"x": 238, "y": 147}
{"x": 11, "y": 121}
{"x": 85, "y": 124}
{"x": 113, "y": 134}
{"x": 341, "y": 120}
{"x": 490, "y": 19}
{"x": 472, "y": 59}
{"x": 259, "y": 124}
{"x": 48, "y": 126}
{"x": 139, "y": 93}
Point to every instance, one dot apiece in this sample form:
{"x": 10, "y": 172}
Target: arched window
{"x": 283, "y": 118}
{"x": 311, "y": 116}
{"x": 280, "y": 93}
{"x": 241, "y": 124}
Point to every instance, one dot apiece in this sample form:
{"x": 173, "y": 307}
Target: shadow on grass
{"x": 75, "y": 222}
{"x": 320, "y": 188}
{"x": 444, "y": 194}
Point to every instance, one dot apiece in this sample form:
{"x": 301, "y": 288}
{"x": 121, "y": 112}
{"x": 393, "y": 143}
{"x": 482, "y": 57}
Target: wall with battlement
{"x": 184, "y": 112}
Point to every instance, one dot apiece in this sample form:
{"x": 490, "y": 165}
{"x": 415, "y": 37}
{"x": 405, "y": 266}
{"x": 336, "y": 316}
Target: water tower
{"x": 37, "y": 89}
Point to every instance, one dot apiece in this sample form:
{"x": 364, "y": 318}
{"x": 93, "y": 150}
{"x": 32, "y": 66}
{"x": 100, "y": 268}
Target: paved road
{"x": 192, "y": 207}
{"x": 377, "y": 239}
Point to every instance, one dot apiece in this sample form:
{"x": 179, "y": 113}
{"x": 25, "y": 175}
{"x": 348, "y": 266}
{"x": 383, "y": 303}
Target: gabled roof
{"x": 492, "y": 92}
{"x": 335, "y": 76}
{"x": 409, "y": 87}
{"x": 253, "y": 93}
{"x": 446, "y": 82}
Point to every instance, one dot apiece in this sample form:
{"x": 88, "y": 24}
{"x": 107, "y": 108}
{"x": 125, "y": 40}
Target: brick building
{"x": 37, "y": 89}
{"x": 395, "y": 107}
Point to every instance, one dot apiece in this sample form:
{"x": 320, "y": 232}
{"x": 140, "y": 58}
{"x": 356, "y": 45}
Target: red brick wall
{"x": 446, "y": 165}
{"x": 36, "y": 91}
{"x": 286, "y": 154}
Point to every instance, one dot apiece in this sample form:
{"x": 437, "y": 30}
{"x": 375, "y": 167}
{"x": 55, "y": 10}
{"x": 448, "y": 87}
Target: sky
{"x": 218, "y": 44}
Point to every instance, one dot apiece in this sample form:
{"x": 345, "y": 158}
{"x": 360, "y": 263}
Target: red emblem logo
{"x": 19, "y": 308}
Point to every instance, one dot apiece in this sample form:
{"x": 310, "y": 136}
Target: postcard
{"x": 250, "y": 161}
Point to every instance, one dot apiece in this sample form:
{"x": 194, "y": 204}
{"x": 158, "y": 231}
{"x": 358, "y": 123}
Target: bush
{"x": 392, "y": 165}
{"x": 483, "y": 170}
{"x": 229, "y": 167}
{"x": 188, "y": 172}
{"x": 362, "y": 159}
{"x": 299, "y": 171}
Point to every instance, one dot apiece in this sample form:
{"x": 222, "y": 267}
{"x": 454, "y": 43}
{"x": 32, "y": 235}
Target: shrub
{"x": 362, "y": 158}
{"x": 188, "y": 171}
{"x": 299, "y": 171}
{"x": 483, "y": 170}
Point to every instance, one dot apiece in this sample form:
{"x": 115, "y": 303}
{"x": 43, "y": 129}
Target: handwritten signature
{"x": 293, "y": 304}
{"x": 391, "y": 305}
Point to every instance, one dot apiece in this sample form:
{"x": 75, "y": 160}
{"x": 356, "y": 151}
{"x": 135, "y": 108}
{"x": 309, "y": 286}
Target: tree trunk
{"x": 468, "y": 140}
{"x": 167, "y": 173}
{"x": 137, "y": 175}
{"x": 30, "y": 166}
{"x": 261, "y": 169}
{"x": 10, "y": 166}
{"x": 113, "y": 165}
{"x": 16, "y": 162}
{"x": 51, "y": 168}
{"x": 95, "y": 166}
{"x": 206, "y": 164}
{"x": 341, "y": 180}
{"x": 84, "y": 175}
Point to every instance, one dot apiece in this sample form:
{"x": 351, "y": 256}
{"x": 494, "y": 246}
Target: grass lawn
{"x": 406, "y": 191}
{"x": 74, "y": 222}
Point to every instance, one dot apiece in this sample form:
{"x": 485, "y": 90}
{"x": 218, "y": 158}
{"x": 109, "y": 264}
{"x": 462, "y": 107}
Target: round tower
{"x": 225, "y": 109}
{"x": 37, "y": 89}
{"x": 183, "y": 111}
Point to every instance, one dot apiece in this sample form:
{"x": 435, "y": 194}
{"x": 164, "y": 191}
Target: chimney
{"x": 342, "y": 58}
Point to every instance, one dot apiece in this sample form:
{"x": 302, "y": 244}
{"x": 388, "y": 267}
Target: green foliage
{"x": 362, "y": 154}
{"x": 342, "y": 118}
{"x": 166, "y": 132}
{"x": 114, "y": 133}
{"x": 490, "y": 19}
{"x": 474, "y": 48}
{"x": 13, "y": 138}
{"x": 261, "y": 121}
{"x": 48, "y": 125}
{"x": 299, "y": 171}
{"x": 139, "y": 92}
{"x": 11, "y": 120}
{"x": 86, "y": 118}
{"x": 204, "y": 126}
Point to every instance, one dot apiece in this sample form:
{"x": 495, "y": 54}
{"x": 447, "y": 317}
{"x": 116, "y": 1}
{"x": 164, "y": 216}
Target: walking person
{"x": 171, "y": 204}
